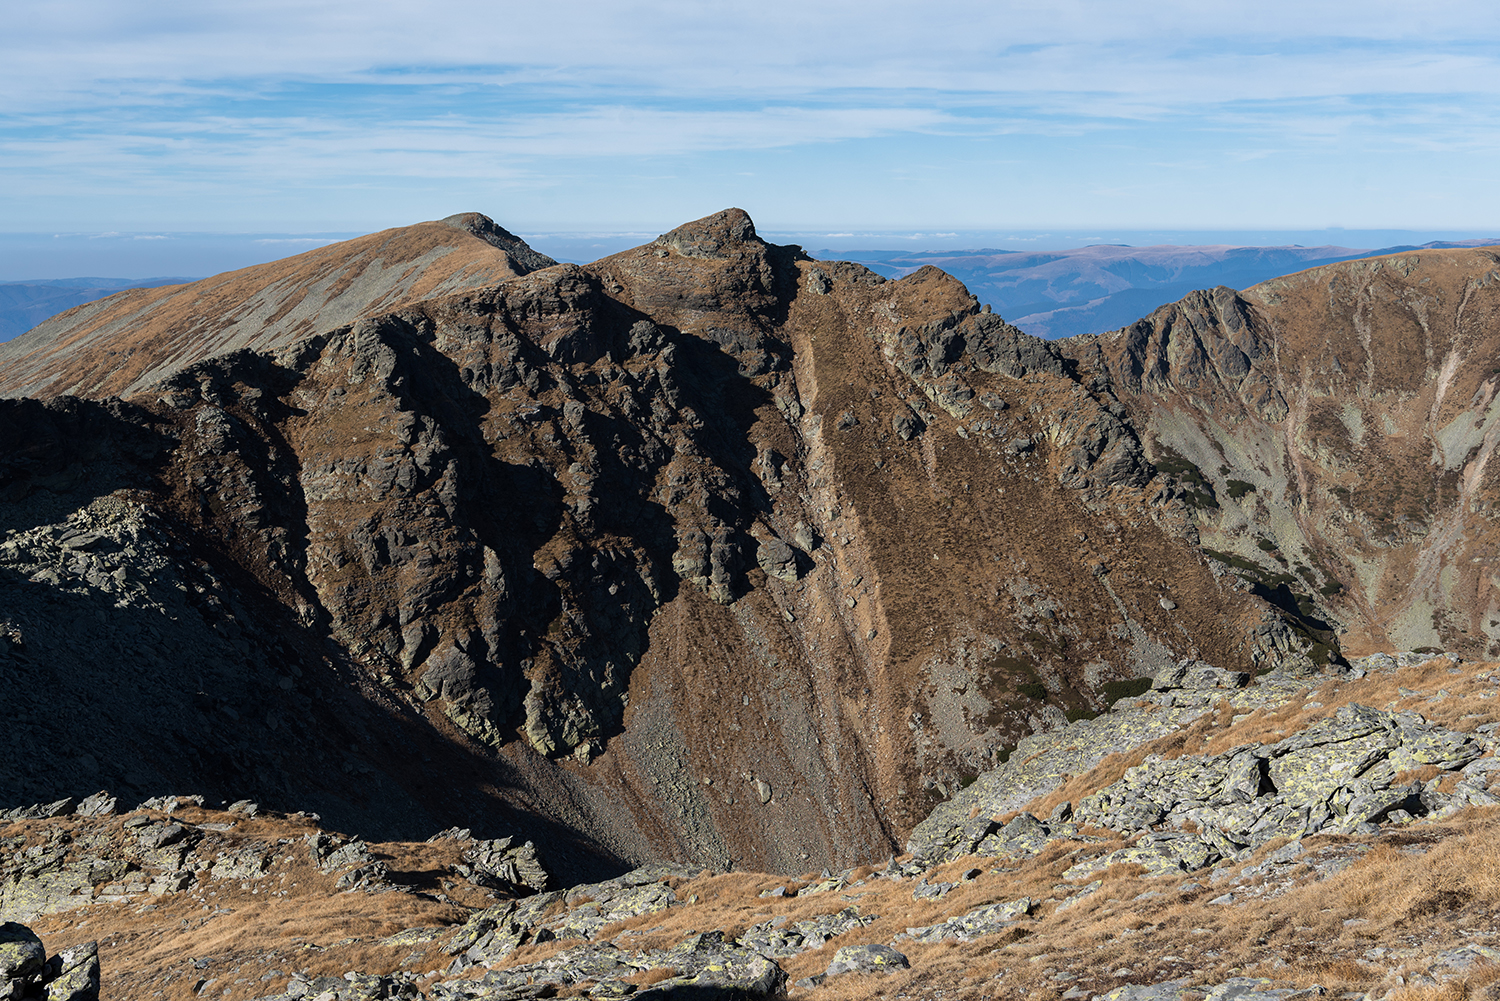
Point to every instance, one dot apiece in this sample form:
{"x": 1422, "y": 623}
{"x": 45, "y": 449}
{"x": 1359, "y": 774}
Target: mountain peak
{"x": 482, "y": 226}
{"x": 718, "y": 235}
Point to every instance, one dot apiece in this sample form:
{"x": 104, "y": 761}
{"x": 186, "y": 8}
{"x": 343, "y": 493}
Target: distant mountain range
{"x": 1060, "y": 293}
{"x": 25, "y": 304}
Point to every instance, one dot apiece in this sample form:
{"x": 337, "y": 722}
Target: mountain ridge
{"x": 1092, "y": 289}
{"x": 706, "y": 550}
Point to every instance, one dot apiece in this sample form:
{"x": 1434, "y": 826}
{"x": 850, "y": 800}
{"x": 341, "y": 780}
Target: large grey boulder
{"x": 495, "y": 932}
{"x": 778, "y": 941}
{"x": 22, "y": 954}
{"x": 502, "y": 864}
{"x": 1197, "y": 674}
{"x": 989, "y": 919}
{"x": 777, "y": 559}
{"x": 26, "y": 972}
{"x": 716, "y": 969}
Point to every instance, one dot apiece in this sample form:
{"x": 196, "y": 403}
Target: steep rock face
{"x": 705, "y": 550}
{"x": 1333, "y": 431}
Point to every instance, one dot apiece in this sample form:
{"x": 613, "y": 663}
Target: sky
{"x": 275, "y": 120}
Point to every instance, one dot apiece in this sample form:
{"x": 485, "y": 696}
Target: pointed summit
{"x": 719, "y": 235}
{"x": 482, "y": 226}
{"x": 123, "y": 343}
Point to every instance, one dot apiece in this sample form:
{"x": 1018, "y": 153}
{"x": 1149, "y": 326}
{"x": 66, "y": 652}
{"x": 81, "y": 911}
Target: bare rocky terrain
{"x": 1214, "y": 840}
{"x": 715, "y": 557}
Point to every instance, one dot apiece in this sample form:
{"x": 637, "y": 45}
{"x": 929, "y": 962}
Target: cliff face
{"x": 1342, "y": 421}
{"x": 706, "y": 550}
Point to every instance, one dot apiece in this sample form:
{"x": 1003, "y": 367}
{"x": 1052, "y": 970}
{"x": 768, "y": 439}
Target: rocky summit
{"x": 707, "y": 560}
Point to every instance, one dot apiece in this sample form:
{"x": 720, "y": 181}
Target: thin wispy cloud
{"x": 573, "y": 112}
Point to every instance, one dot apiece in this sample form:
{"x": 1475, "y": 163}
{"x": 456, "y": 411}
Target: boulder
{"x": 76, "y": 976}
{"x": 22, "y": 955}
{"x": 990, "y": 919}
{"x": 776, "y": 942}
{"x": 866, "y": 959}
{"x": 499, "y": 864}
{"x": 1197, "y": 675}
{"x": 715, "y": 969}
{"x": 777, "y": 559}
{"x": 1336, "y": 775}
{"x": 708, "y": 966}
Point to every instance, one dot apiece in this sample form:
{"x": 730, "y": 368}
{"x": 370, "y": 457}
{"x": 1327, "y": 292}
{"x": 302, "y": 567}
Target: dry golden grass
{"x": 1478, "y": 983}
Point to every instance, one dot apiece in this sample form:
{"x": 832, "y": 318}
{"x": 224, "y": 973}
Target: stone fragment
{"x": 777, "y": 559}
{"x": 100, "y": 804}
{"x": 872, "y": 958}
{"x": 75, "y": 975}
{"x": 160, "y": 835}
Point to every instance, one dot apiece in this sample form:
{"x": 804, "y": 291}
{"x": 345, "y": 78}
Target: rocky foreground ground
{"x": 1215, "y": 838}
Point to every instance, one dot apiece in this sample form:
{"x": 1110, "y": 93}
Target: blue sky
{"x": 344, "y": 117}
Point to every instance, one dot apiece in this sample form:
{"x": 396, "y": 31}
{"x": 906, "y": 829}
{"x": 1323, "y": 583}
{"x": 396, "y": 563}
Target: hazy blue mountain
{"x": 1093, "y": 289}
{"x": 25, "y": 304}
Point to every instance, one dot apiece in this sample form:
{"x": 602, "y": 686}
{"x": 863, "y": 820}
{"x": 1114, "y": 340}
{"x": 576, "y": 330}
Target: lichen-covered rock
{"x": 717, "y": 968}
{"x": 73, "y": 974}
{"x": 1172, "y": 990}
{"x": 872, "y": 958}
{"x": 1337, "y": 775}
{"x": 586, "y": 920}
{"x": 44, "y": 882}
{"x": 990, "y": 919}
{"x": 494, "y": 933}
{"x": 771, "y": 938}
{"x": 501, "y": 864}
{"x": 707, "y": 966}
{"x": 1043, "y": 761}
{"x": 22, "y": 954}
{"x": 1162, "y": 854}
{"x": 1197, "y": 674}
